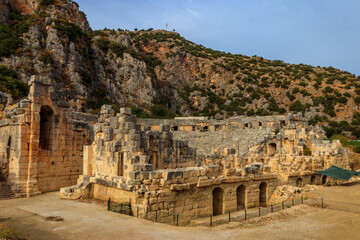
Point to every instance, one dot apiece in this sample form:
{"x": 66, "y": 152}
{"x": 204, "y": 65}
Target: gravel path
{"x": 49, "y": 217}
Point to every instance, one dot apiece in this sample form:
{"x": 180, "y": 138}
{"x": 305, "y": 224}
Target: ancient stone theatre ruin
{"x": 192, "y": 166}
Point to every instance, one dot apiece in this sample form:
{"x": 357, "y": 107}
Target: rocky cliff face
{"x": 23, "y": 6}
{"x": 163, "y": 73}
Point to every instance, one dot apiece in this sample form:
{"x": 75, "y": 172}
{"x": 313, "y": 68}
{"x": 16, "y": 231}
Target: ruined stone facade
{"x": 195, "y": 167}
{"x": 41, "y": 147}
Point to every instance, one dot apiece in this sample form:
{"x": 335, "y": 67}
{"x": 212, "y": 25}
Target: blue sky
{"x": 315, "y": 32}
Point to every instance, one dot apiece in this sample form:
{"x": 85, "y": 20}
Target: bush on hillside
{"x": 11, "y": 85}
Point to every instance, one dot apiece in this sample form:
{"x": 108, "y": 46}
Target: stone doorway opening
{"x": 4, "y": 167}
{"x": 299, "y": 182}
{"x": 46, "y": 117}
{"x": 271, "y": 149}
{"x": 218, "y": 201}
{"x": 262, "y": 194}
{"x": 313, "y": 180}
{"x": 240, "y": 194}
{"x": 323, "y": 180}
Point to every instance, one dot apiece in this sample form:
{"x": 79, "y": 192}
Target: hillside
{"x": 160, "y": 73}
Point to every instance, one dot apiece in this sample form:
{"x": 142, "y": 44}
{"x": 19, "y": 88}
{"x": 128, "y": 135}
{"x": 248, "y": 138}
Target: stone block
{"x": 126, "y": 111}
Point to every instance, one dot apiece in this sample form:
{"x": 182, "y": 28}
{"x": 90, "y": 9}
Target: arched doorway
{"x": 313, "y": 180}
{"x": 240, "y": 194}
{"x": 46, "y": 119}
{"x": 299, "y": 182}
{"x": 271, "y": 149}
{"x": 323, "y": 180}
{"x": 218, "y": 201}
{"x": 262, "y": 194}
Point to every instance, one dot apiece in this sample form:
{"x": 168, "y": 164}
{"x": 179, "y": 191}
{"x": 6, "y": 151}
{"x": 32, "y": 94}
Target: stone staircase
{"x": 5, "y": 191}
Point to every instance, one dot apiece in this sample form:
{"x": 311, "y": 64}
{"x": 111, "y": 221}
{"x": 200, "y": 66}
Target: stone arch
{"x": 262, "y": 194}
{"x": 218, "y": 201}
{"x": 323, "y": 179}
{"x": 299, "y": 182}
{"x": 46, "y": 119}
{"x": 241, "y": 197}
{"x": 271, "y": 149}
{"x": 313, "y": 180}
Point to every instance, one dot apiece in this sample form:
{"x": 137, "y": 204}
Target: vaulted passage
{"x": 46, "y": 117}
{"x": 240, "y": 194}
{"x": 218, "y": 201}
{"x": 262, "y": 194}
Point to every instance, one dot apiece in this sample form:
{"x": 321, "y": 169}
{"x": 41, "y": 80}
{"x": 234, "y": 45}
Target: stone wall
{"x": 141, "y": 161}
{"x": 45, "y": 149}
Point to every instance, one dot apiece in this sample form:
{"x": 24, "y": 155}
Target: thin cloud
{"x": 194, "y": 13}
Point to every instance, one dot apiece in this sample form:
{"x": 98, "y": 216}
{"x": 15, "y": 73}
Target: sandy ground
{"x": 90, "y": 220}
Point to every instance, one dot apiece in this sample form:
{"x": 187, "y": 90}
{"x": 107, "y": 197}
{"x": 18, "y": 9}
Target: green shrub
{"x": 139, "y": 112}
{"x": 355, "y": 145}
{"x": 295, "y": 90}
{"x": 45, "y": 56}
{"x": 307, "y": 151}
{"x": 118, "y": 49}
{"x": 328, "y": 89}
{"x": 342, "y": 100}
{"x": 160, "y": 111}
{"x": 103, "y": 44}
{"x": 348, "y": 95}
{"x": 47, "y": 2}
{"x": 297, "y": 106}
{"x": 250, "y": 112}
{"x": 357, "y": 100}
{"x": 11, "y": 85}
{"x": 86, "y": 78}
{"x": 10, "y": 34}
{"x": 98, "y": 97}
{"x": 69, "y": 29}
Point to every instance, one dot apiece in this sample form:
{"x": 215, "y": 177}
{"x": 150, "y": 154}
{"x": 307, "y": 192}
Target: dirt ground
{"x": 48, "y": 217}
